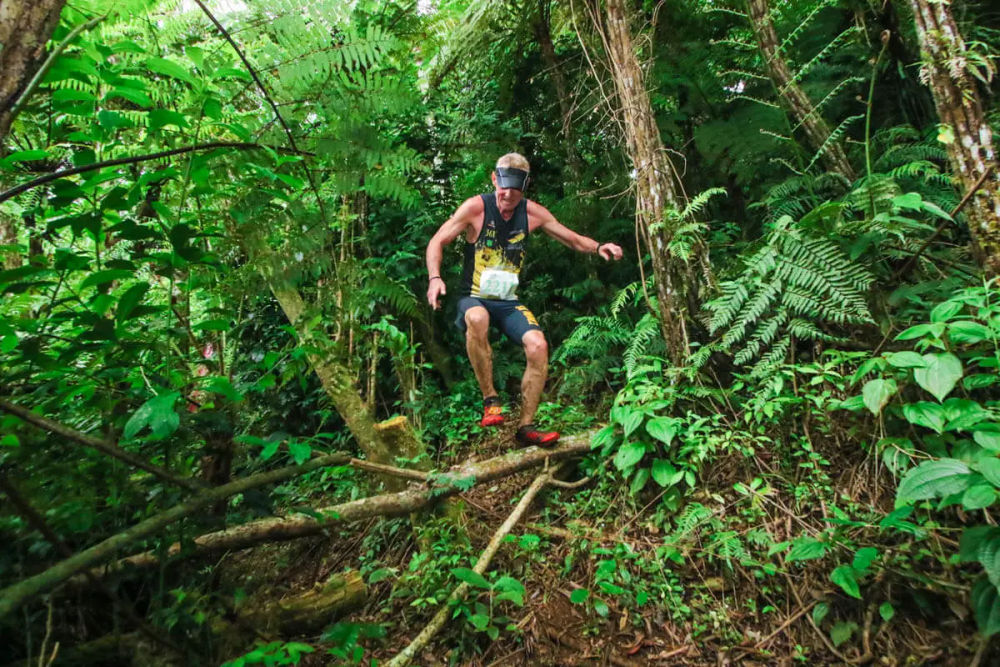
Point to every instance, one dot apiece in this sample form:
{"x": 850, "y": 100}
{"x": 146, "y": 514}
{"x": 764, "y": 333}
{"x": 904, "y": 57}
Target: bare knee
{"x": 535, "y": 347}
{"x": 477, "y": 321}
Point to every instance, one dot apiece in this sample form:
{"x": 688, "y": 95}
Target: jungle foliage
{"x": 212, "y": 225}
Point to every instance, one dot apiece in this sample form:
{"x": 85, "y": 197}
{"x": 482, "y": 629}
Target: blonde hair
{"x": 515, "y": 160}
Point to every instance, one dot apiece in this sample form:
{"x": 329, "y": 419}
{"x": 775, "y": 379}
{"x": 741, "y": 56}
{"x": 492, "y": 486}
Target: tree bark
{"x": 657, "y": 191}
{"x": 960, "y": 108}
{"x": 792, "y": 97}
{"x": 25, "y": 28}
{"x": 553, "y": 67}
{"x": 12, "y": 597}
{"x": 393, "y": 504}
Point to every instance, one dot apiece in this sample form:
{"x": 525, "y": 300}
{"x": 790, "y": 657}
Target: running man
{"x": 496, "y": 227}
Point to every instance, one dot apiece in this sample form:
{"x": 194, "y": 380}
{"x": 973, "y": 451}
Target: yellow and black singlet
{"x": 492, "y": 264}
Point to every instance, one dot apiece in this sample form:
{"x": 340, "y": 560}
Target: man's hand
{"x": 435, "y": 289}
{"x": 609, "y": 251}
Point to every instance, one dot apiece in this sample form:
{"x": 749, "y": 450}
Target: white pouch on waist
{"x": 498, "y": 284}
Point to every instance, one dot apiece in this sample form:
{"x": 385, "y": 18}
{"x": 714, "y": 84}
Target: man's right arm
{"x": 458, "y": 223}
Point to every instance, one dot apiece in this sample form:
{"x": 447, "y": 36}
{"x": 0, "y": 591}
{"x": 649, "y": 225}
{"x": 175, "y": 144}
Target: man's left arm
{"x": 539, "y": 217}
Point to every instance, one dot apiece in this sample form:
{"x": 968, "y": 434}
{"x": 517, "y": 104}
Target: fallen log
{"x": 391, "y": 504}
{"x": 14, "y": 596}
{"x": 405, "y": 657}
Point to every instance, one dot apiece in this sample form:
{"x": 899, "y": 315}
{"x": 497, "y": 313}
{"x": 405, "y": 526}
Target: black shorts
{"x": 510, "y": 317}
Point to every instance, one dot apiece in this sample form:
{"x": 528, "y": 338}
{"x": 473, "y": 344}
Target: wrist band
{"x": 433, "y": 277}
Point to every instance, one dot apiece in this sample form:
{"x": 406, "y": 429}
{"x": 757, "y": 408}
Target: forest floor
{"x": 721, "y": 623}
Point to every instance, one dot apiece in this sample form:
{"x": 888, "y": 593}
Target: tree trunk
{"x": 792, "y": 97}
{"x": 25, "y": 28}
{"x": 656, "y": 191}
{"x": 9, "y": 259}
{"x": 959, "y": 106}
{"x": 554, "y": 68}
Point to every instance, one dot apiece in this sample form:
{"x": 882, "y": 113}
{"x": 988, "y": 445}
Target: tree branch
{"x": 102, "y": 446}
{"x": 12, "y": 597}
{"x": 42, "y": 180}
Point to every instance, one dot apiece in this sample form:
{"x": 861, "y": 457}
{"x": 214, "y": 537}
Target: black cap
{"x": 512, "y": 177}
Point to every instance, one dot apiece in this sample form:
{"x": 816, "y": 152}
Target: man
{"x": 496, "y": 227}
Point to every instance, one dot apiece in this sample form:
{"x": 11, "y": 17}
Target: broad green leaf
{"x": 971, "y": 544}
{"x": 979, "y": 496}
{"x": 921, "y": 330}
{"x": 940, "y": 375}
{"x": 9, "y": 440}
{"x": 23, "y": 156}
{"x": 224, "y": 324}
{"x": 662, "y": 428}
{"x": 629, "y": 454}
{"x": 988, "y": 440}
{"x": 964, "y": 331}
{"x": 986, "y": 605}
{"x": 990, "y": 469}
{"x": 222, "y": 385}
{"x": 630, "y": 421}
{"x": 933, "y": 479}
{"x": 665, "y": 474}
{"x": 806, "y": 548}
{"x": 169, "y": 68}
{"x": 579, "y": 596}
{"x": 602, "y": 438}
{"x": 845, "y": 577}
{"x": 886, "y": 611}
{"x": 945, "y": 311}
{"x": 162, "y": 117}
{"x": 136, "y": 97}
{"x": 639, "y": 481}
{"x": 506, "y": 583}
{"x": 909, "y": 200}
{"x": 864, "y": 557}
{"x": 820, "y": 612}
{"x": 926, "y": 414}
{"x": 470, "y": 577}
{"x": 157, "y": 413}
{"x": 129, "y": 300}
{"x": 905, "y": 359}
{"x": 299, "y": 451}
{"x": 876, "y": 394}
{"x": 842, "y": 631}
{"x": 104, "y": 277}
{"x": 964, "y": 415}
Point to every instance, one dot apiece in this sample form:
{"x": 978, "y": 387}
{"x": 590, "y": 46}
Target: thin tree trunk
{"x": 401, "y": 503}
{"x": 554, "y": 69}
{"x": 656, "y": 188}
{"x": 959, "y": 106}
{"x": 9, "y": 259}
{"x": 793, "y": 98}
{"x": 25, "y": 28}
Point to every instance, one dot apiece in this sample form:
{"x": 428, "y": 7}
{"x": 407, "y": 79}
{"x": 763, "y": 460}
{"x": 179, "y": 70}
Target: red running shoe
{"x": 492, "y": 412}
{"x": 530, "y": 435}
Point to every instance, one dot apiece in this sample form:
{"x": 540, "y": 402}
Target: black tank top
{"x": 492, "y": 265}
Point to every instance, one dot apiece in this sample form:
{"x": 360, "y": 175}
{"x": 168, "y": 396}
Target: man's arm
{"x": 460, "y": 221}
{"x": 539, "y": 217}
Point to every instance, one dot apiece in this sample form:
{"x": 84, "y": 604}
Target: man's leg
{"x": 536, "y": 351}
{"x": 477, "y": 343}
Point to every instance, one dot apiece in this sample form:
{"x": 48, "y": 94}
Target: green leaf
{"x": 129, "y": 300}
{"x": 806, "y": 548}
{"x": 662, "y": 428}
{"x": 964, "y": 415}
{"x": 639, "y": 481}
{"x": 104, "y": 277}
{"x": 470, "y": 577}
{"x": 988, "y": 440}
{"x": 579, "y": 596}
{"x": 979, "y": 496}
{"x": 224, "y": 324}
{"x": 665, "y": 474}
{"x": 933, "y": 479}
{"x": 299, "y": 451}
{"x": 9, "y": 440}
{"x": 845, "y": 577}
{"x": 162, "y": 117}
{"x": 169, "y": 68}
{"x": 23, "y": 156}
{"x": 631, "y": 420}
{"x": 380, "y": 574}
{"x": 479, "y": 621}
{"x": 864, "y": 557}
{"x": 842, "y": 631}
{"x": 920, "y": 331}
{"x": 945, "y": 311}
{"x": 157, "y": 413}
{"x": 876, "y": 394}
{"x": 905, "y": 359}
{"x": 886, "y": 611}
{"x": 926, "y": 414}
{"x": 604, "y": 437}
{"x": 820, "y": 611}
{"x": 966, "y": 332}
{"x": 136, "y": 97}
{"x": 629, "y": 454}
{"x": 222, "y": 385}
{"x": 940, "y": 375}
{"x": 990, "y": 469}
{"x": 986, "y": 605}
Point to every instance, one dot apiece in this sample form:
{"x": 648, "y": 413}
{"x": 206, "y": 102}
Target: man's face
{"x": 507, "y": 197}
